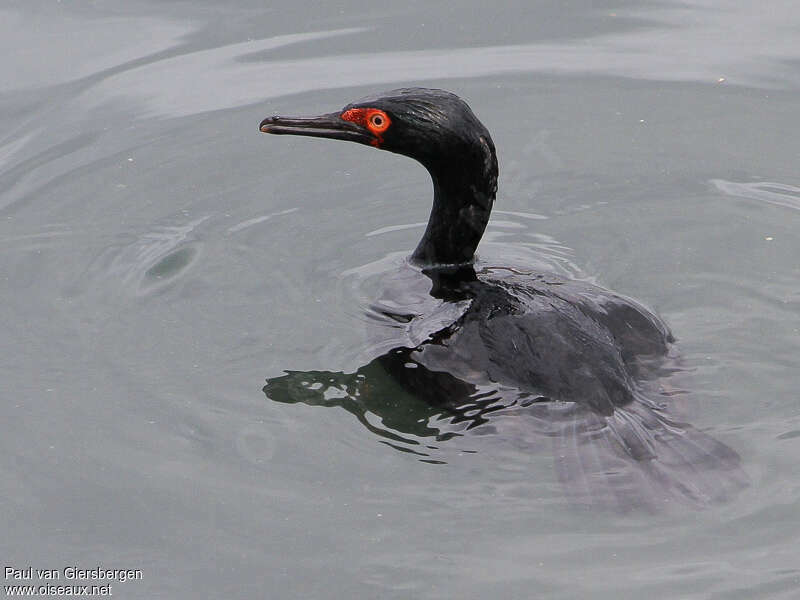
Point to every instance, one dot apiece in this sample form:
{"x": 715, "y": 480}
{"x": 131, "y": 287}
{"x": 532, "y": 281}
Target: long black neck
{"x": 463, "y": 195}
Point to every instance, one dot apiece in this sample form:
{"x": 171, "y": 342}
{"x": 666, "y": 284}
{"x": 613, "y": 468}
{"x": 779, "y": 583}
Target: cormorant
{"x": 581, "y": 359}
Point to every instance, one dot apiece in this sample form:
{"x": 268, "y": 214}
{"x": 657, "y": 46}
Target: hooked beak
{"x": 325, "y": 126}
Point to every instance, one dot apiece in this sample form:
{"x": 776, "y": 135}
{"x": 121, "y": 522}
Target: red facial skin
{"x": 373, "y": 119}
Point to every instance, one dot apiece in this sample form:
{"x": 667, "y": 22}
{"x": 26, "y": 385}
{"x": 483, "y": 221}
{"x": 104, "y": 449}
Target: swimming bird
{"x": 584, "y": 361}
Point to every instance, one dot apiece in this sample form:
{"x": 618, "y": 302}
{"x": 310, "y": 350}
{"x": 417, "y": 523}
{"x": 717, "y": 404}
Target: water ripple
{"x": 154, "y": 257}
{"x": 686, "y": 42}
{"x": 779, "y": 194}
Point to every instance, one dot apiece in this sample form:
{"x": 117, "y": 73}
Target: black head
{"x": 428, "y": 125}
{"x": 439, "y": 130}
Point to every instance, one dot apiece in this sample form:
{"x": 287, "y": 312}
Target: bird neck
{"x": 462, "y": 202}
{"x": 451, "y": 283}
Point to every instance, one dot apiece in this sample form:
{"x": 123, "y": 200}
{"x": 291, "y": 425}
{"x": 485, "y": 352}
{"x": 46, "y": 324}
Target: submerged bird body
{"x": 558, "y": 339}
{"x": 574, "y": 353}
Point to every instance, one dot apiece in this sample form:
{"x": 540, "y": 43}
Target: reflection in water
{"x": 412, "y": 410}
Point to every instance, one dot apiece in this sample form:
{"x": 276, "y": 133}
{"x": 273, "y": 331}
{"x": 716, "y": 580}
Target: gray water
{"x": 161, "y": 259}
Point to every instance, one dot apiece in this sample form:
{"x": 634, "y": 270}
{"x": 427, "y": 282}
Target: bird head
{"x": 432, "y": 126}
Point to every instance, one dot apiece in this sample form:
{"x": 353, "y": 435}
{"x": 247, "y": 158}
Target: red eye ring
{"x": 378, "y": 121}
{"x": 373, "y": 119}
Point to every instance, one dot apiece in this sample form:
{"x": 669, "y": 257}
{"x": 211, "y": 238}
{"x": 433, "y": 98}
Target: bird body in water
{"x": 582, "y": 358}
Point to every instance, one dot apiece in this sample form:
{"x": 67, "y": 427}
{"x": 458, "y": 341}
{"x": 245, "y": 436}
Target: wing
{"x": 547, "y": 347}
{"x": 640, "y": 334}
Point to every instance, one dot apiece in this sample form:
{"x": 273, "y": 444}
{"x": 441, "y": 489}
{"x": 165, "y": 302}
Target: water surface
{"x": 161, "y": 259}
